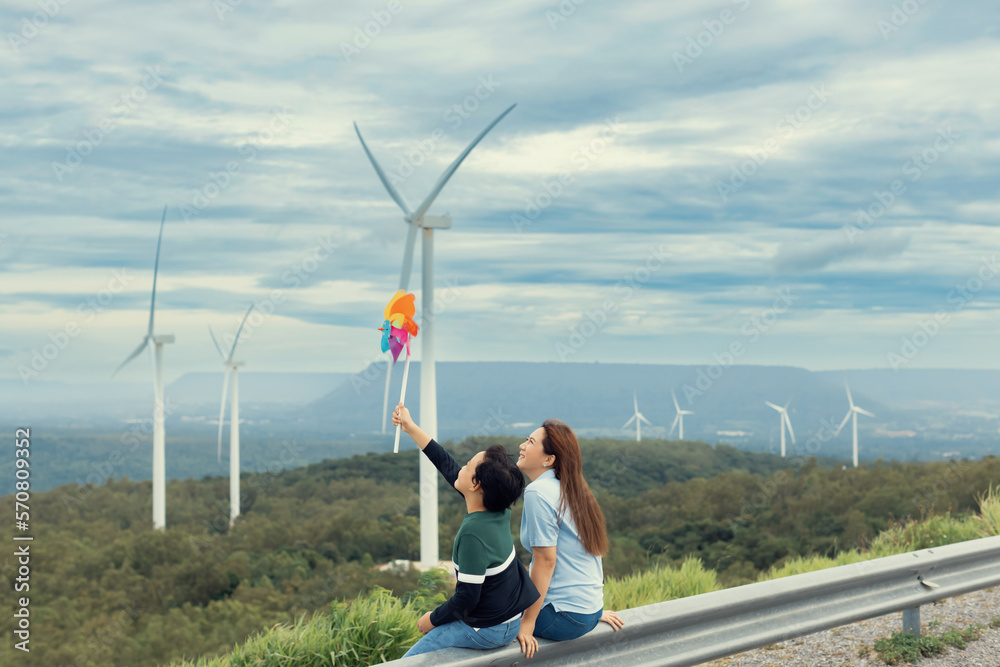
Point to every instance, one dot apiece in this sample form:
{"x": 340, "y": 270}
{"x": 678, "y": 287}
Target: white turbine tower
{"x": 159, "y": 459}
{"x": 853, "y": 411}
{"x": 415, "y": 219}
{"x": 679, "y": 419}
{"x": 234, "y": 418}
{"x": 637, "y": 418}
{"x": 782, "y": 422}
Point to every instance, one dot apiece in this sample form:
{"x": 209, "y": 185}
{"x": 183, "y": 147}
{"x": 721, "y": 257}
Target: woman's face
{"x": 533, "y": 460}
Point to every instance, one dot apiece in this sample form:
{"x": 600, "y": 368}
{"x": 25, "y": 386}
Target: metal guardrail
{"x": 706, "y": 627}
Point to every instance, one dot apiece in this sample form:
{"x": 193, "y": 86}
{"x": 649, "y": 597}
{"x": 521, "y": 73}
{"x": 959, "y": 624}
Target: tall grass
{"x": 659, "y": 584}
{"x": 899, "y": 538}
{"x": 374, "y": 628}
{"x": 989, "y": 513}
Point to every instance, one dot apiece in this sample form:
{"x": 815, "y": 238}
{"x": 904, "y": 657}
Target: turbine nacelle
{"x": 432, "y": 222}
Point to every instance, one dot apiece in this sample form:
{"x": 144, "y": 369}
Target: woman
{"x": 493, "y": 588}
{"x": 563, "y": 528}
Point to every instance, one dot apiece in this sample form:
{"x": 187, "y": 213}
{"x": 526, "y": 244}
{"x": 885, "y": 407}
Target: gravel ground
{"x": 840, "y": 646}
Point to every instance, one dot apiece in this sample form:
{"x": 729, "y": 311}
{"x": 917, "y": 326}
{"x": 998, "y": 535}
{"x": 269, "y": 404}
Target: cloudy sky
{"x": 806, "y": 183}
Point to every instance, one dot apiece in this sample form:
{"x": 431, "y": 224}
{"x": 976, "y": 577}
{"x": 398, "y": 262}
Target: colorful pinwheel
{"x": 398, "y": 327}
{"x": 397, "y": 330}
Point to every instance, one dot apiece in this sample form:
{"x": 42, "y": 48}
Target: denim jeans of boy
{"x": 461, "y": 635}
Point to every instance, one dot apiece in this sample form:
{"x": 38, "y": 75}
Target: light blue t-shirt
{"x": 578, "y": 580}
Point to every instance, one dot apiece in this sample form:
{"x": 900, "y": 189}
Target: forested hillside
{"x": 107, "y": 590}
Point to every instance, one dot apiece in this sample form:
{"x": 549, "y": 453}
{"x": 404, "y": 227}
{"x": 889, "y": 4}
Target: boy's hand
{"x": 424, "y": 624}
{"x": 529, "y": 645}
{"x": 401, "y": 418}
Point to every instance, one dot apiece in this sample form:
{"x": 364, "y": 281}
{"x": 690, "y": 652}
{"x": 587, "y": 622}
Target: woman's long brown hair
{"x": 560, "y": 441}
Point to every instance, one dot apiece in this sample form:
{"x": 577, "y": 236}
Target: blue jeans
{"x": 562, "y": 625}
{"x": 461, "y": 635}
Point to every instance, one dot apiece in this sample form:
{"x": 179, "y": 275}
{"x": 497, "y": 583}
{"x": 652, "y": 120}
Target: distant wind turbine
{"x": 679, "y": 419}
{"x": 636, "y": 417}
{"x": 853, "y": 411}
{"x": 415, "y": 219}
{"x": 159, "y": 459}
{"x": 234, "y": 418}
{"x": 782, "y": 422}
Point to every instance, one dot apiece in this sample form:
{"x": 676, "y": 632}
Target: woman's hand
{"x": 612, "y": 619}
{"x": 401, "y": 418}
{"x": 525, "y": 637}
{"x": 424, "y": 624}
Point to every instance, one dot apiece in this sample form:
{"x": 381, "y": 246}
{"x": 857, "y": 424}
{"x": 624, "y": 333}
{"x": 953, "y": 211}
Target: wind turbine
{"x": 234, "y": 418}
{"x": 159, "y": 462}
{"x": 782, "y": 422}
{"x": 679, "y": 419}
{"x": 852, "y": 411}
{"x": 415, "y": 219}
{"x": 637, "y": 418}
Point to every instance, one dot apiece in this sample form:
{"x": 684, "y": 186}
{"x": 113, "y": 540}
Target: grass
{"x": 902, "y": 648}
{"x": 374, "y": 628}
{"x": 906, "y": 648}
{"x": 989, "y": 513}
{"x": 902, "y": 537}
{"x": 659, "y": 584}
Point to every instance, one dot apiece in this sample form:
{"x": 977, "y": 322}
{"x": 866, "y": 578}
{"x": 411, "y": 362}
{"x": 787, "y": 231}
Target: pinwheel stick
{"x": 402, "y": 398}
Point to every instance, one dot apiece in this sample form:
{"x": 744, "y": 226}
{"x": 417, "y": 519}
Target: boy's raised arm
{"x": 441, "y": 459}
{"x": 401, "y": 417}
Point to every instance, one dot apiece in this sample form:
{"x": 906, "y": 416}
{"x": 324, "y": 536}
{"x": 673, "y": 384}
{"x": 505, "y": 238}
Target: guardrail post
{"x": 911, "y": 621}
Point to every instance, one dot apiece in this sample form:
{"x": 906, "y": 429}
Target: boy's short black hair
{"x": 500, "y": 479}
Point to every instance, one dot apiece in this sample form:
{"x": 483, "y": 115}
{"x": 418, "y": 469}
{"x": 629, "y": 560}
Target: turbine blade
{"x": 222, "y": 408}
{"x": 849, "y": 399}
{"x": 686, "y": 412}
{"x": 635, "y": 402}
{"x": 674, "y": 425}
{"x": 863, "y": 411}
{"x": 390, "y": 188}
{"x": 218, "y": 348}
{"x": 135, "y": 353}
{"x": 776, "y": 407}
{"x": 454, "y": 165}
{"x": 407, "y": 270}
{"x": 674, "y": 396}
{"x": 846, "y": 417}
{"x": 788, "y": 423}
{"x": 156, "y": 270}
{"x": 630, "y": 420}
{"x": 238, "y": 332}
{"x": 648, "y": 423}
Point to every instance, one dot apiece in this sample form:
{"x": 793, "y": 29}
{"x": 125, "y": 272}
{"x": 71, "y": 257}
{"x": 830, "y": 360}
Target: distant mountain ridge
{"x": 596, "y": 399}
{"x": 944, "y": 412}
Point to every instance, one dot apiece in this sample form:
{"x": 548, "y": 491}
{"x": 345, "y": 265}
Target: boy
{"x": 493, "y": 587}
